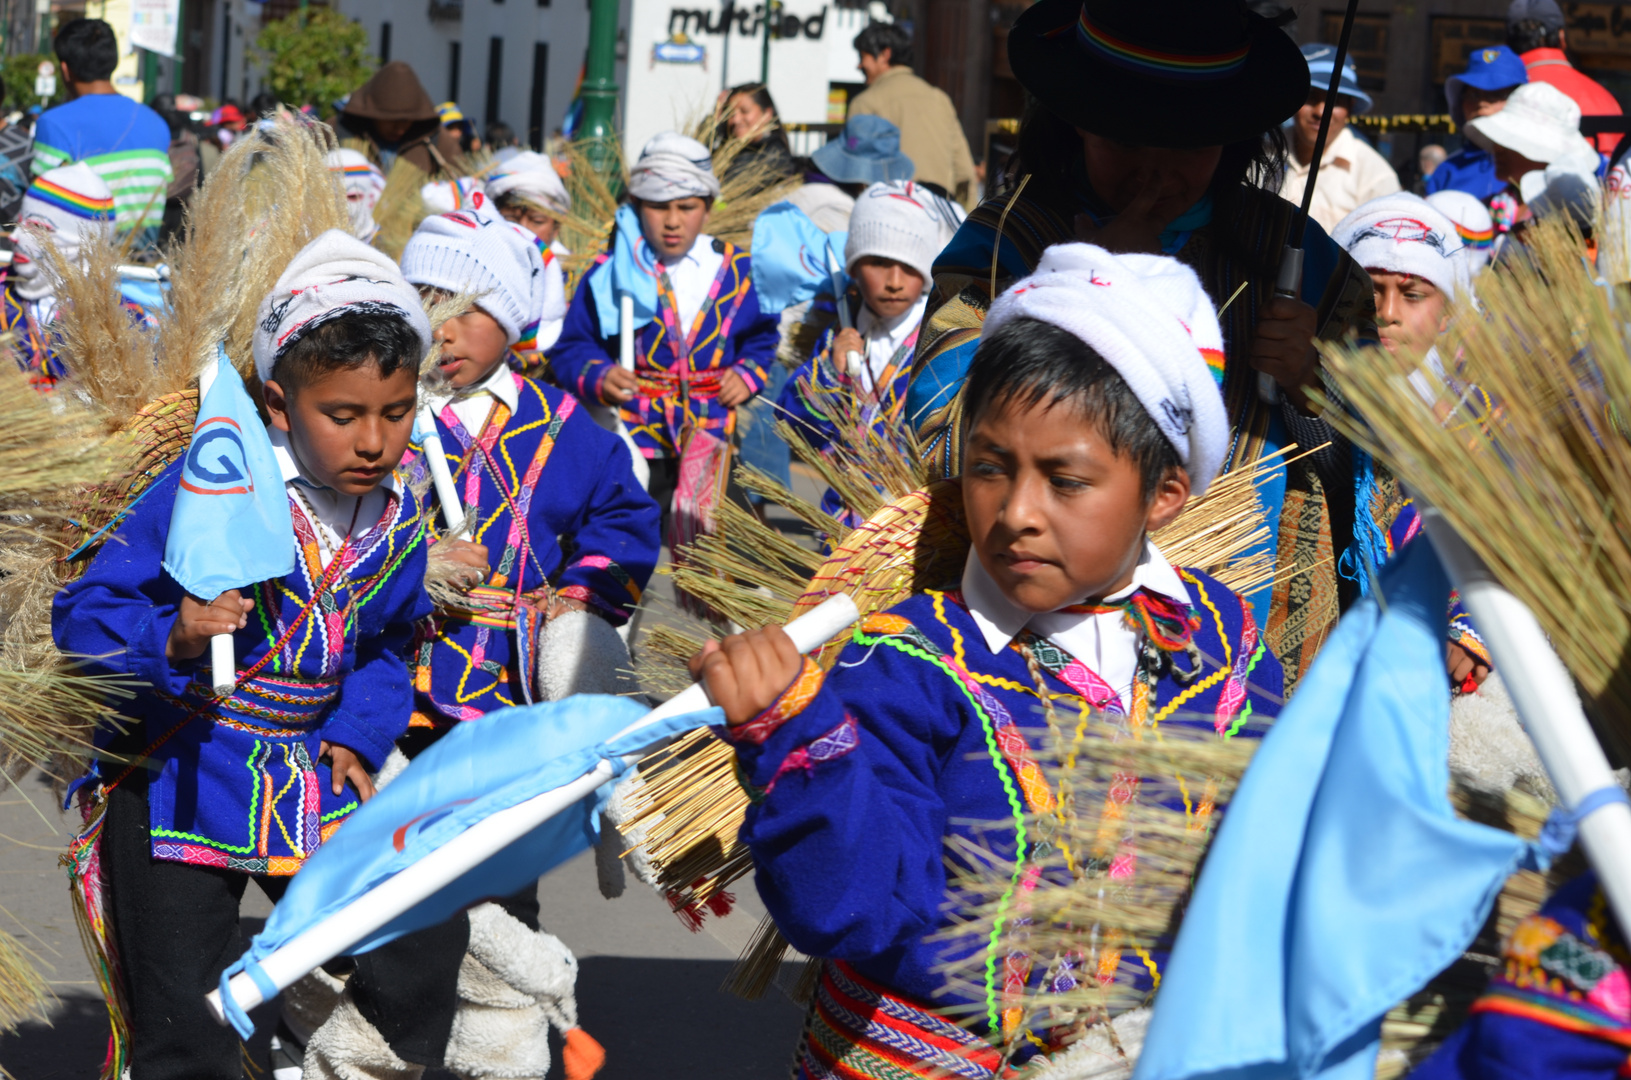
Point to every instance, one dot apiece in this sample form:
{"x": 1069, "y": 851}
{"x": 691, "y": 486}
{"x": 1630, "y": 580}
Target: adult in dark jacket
{"x": 396, "y": 116}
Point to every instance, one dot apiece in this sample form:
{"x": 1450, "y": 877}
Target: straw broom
{"x": 1524, "y": 449}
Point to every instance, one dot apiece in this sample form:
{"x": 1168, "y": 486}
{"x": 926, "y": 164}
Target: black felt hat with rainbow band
{"x": 1177, "y": 73}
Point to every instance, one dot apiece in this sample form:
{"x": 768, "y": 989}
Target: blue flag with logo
{"x": 1341, "y": 879}
{"x": 230, "y": 526}
{"x": 478, "y": 769}
{"x": 631, "y": 271}
{"x": 791, "y": 257}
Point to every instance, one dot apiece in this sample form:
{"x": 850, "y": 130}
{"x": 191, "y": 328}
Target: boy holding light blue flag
{"x": 294, "y": 539}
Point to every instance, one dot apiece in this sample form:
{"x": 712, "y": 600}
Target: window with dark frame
{"x": 1452, "y": 40}
{"x": 1367, "y": 47}
{"x": 385, "y": 43}
{"x": 453, "y": 70}
{"x": 535, "y": 100}
{"x": 495, "y": 78}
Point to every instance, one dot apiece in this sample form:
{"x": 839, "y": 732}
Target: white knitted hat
{"x": 673, "y": 166}
{"x": 446, "y": 196}
{"x": 1148, "y": 316}
{"x": 363, "y": 183}
{"x": 1402, "y": 234}
{"x": 334, "y": 275}
{"x": 66, "y": 203}
{"x": 531, "y": 176}
{"x": 895, "y": 220}
{"x": 476, "y": 251}
{"x": 1472, "y": 223}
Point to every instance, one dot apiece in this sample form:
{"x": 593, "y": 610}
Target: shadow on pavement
{"x": 654, "y": 1017}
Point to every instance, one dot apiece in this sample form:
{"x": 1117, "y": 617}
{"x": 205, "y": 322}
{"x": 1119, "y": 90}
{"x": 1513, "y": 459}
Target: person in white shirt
{"x": 859, "y": 371}
{"x": 1351, "y": 172}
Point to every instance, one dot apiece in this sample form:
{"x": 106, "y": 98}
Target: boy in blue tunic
{"x": 709, "y": 348}
{"x": 205, "y": 793}
{"x": 1093, "y": 416}
{"x": 560, "y": 523}
{"x": 894, "y": 235}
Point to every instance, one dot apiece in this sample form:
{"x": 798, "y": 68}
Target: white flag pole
{"x": 440, "y": 476}
{"x": 223, "y": 654}
{"x": 625, "y": 332}
{"x": 1543, "y": 693}
{"x": 367, "y": 913}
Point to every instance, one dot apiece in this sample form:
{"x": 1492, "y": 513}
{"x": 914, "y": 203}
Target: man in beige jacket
{"x": 930, "y": 133}
{"x": 1351, "y": 172}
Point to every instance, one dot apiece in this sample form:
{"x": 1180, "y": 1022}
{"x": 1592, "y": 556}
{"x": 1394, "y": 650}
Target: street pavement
{"x": 648, "y": 989}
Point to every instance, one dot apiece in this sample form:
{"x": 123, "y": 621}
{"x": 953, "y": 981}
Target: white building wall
{"x": 425, "y": 44}
{"x": 667, "y": 95}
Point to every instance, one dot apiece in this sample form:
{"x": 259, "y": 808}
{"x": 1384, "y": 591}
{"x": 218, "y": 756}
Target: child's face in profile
{"x": 888, "y": 287}
{"x": 671, "y": 228}
{"x": 1410, "y": 314}
{"x": 473, "y": 344}
{"x": 1055, "y": 517}
{"x": 536, "y": 222}
{"x": 348, "y": 427}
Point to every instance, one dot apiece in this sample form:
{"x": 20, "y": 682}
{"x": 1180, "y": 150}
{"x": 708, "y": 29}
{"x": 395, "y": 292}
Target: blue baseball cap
{"x": 1494, "y": 68}
{"x": 868, "y": 151}
{"x": 1321, "y": 59}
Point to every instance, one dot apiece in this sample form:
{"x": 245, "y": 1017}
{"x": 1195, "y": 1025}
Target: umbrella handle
{"x": 1288, "y": 285}
{"x": 323, "y": 941}
{"x": 1544, "y": 695}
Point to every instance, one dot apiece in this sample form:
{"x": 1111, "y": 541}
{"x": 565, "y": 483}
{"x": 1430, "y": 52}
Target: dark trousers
{"x": 175, "y": 928}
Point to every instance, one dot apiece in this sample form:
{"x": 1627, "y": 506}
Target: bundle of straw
{"x": 1540, "y": 484}
{"x": 400, "y": 208}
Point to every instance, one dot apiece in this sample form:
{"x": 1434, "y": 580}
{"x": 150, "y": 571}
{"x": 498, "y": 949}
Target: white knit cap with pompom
{"x": 1149, "y": 318}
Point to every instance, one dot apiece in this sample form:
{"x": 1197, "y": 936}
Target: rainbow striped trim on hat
{"x": 1476, "y": 240}
{"x": 544, "y": 249}
{"x": 73, "y": 202}
{"x": 528, "y": 341}
{"x": 353, "y": 170}
{"x": 1214, "y": 363}
{"x": 1156, "y": 63}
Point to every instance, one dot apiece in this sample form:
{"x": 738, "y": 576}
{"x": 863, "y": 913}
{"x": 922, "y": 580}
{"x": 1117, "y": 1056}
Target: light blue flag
{"x": 791, "y": 257}
{"x": 478, "y": 769}
{"x": 230, "y": 526}
{"x": 631, "y": 270}
{"x": 1341, "y": 880}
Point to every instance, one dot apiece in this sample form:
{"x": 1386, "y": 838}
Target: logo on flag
{"x": 217, "y": 463}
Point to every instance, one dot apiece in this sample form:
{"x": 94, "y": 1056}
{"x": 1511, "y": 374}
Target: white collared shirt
{"x": 474, "y": 404}
{"x": 334, "y": 517}
{"x": 1102, "y": 642}
{"x": 884, "y": 337}
{"x": 692, "y": 275}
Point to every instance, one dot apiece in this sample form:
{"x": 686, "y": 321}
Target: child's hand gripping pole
{"x": 852, "y": 359}
{"x": 440, "y": 477}
{"x": 1544, "y": 695}
{"x": 372, "y": 910}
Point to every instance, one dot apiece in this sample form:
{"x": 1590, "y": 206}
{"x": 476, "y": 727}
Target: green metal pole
{"x": 150, "y": 75}
{"x": 598, "y": 129}
{"x": 772, "y": 12}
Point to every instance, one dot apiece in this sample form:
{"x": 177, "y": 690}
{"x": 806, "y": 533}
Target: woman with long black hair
{"x": 1155, "y": 127}
{"x": 748, "y": 113}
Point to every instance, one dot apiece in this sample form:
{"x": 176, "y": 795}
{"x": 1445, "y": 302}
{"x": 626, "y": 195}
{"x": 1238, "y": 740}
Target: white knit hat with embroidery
{"x": 478, "y": 252}
{"x": 531, "y": 176}
{"x": 1402, "y": 234}
{"x": 1149, "y": 318}
{"x": 334, "y": 275}
{"x": 65, "y": 204}
{"x": 895, "y": 220}
{"x": 363, "y": 183}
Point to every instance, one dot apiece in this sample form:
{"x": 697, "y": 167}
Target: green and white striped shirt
{"x": 123, "y": 141}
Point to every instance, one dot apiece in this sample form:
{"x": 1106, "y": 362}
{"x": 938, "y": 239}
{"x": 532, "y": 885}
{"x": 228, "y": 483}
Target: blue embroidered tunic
{"x": 917, "y": 732}
{"x": 586, "y": 531}
{"x": 237, "y": 784}
{"x": 731, "y": 333}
